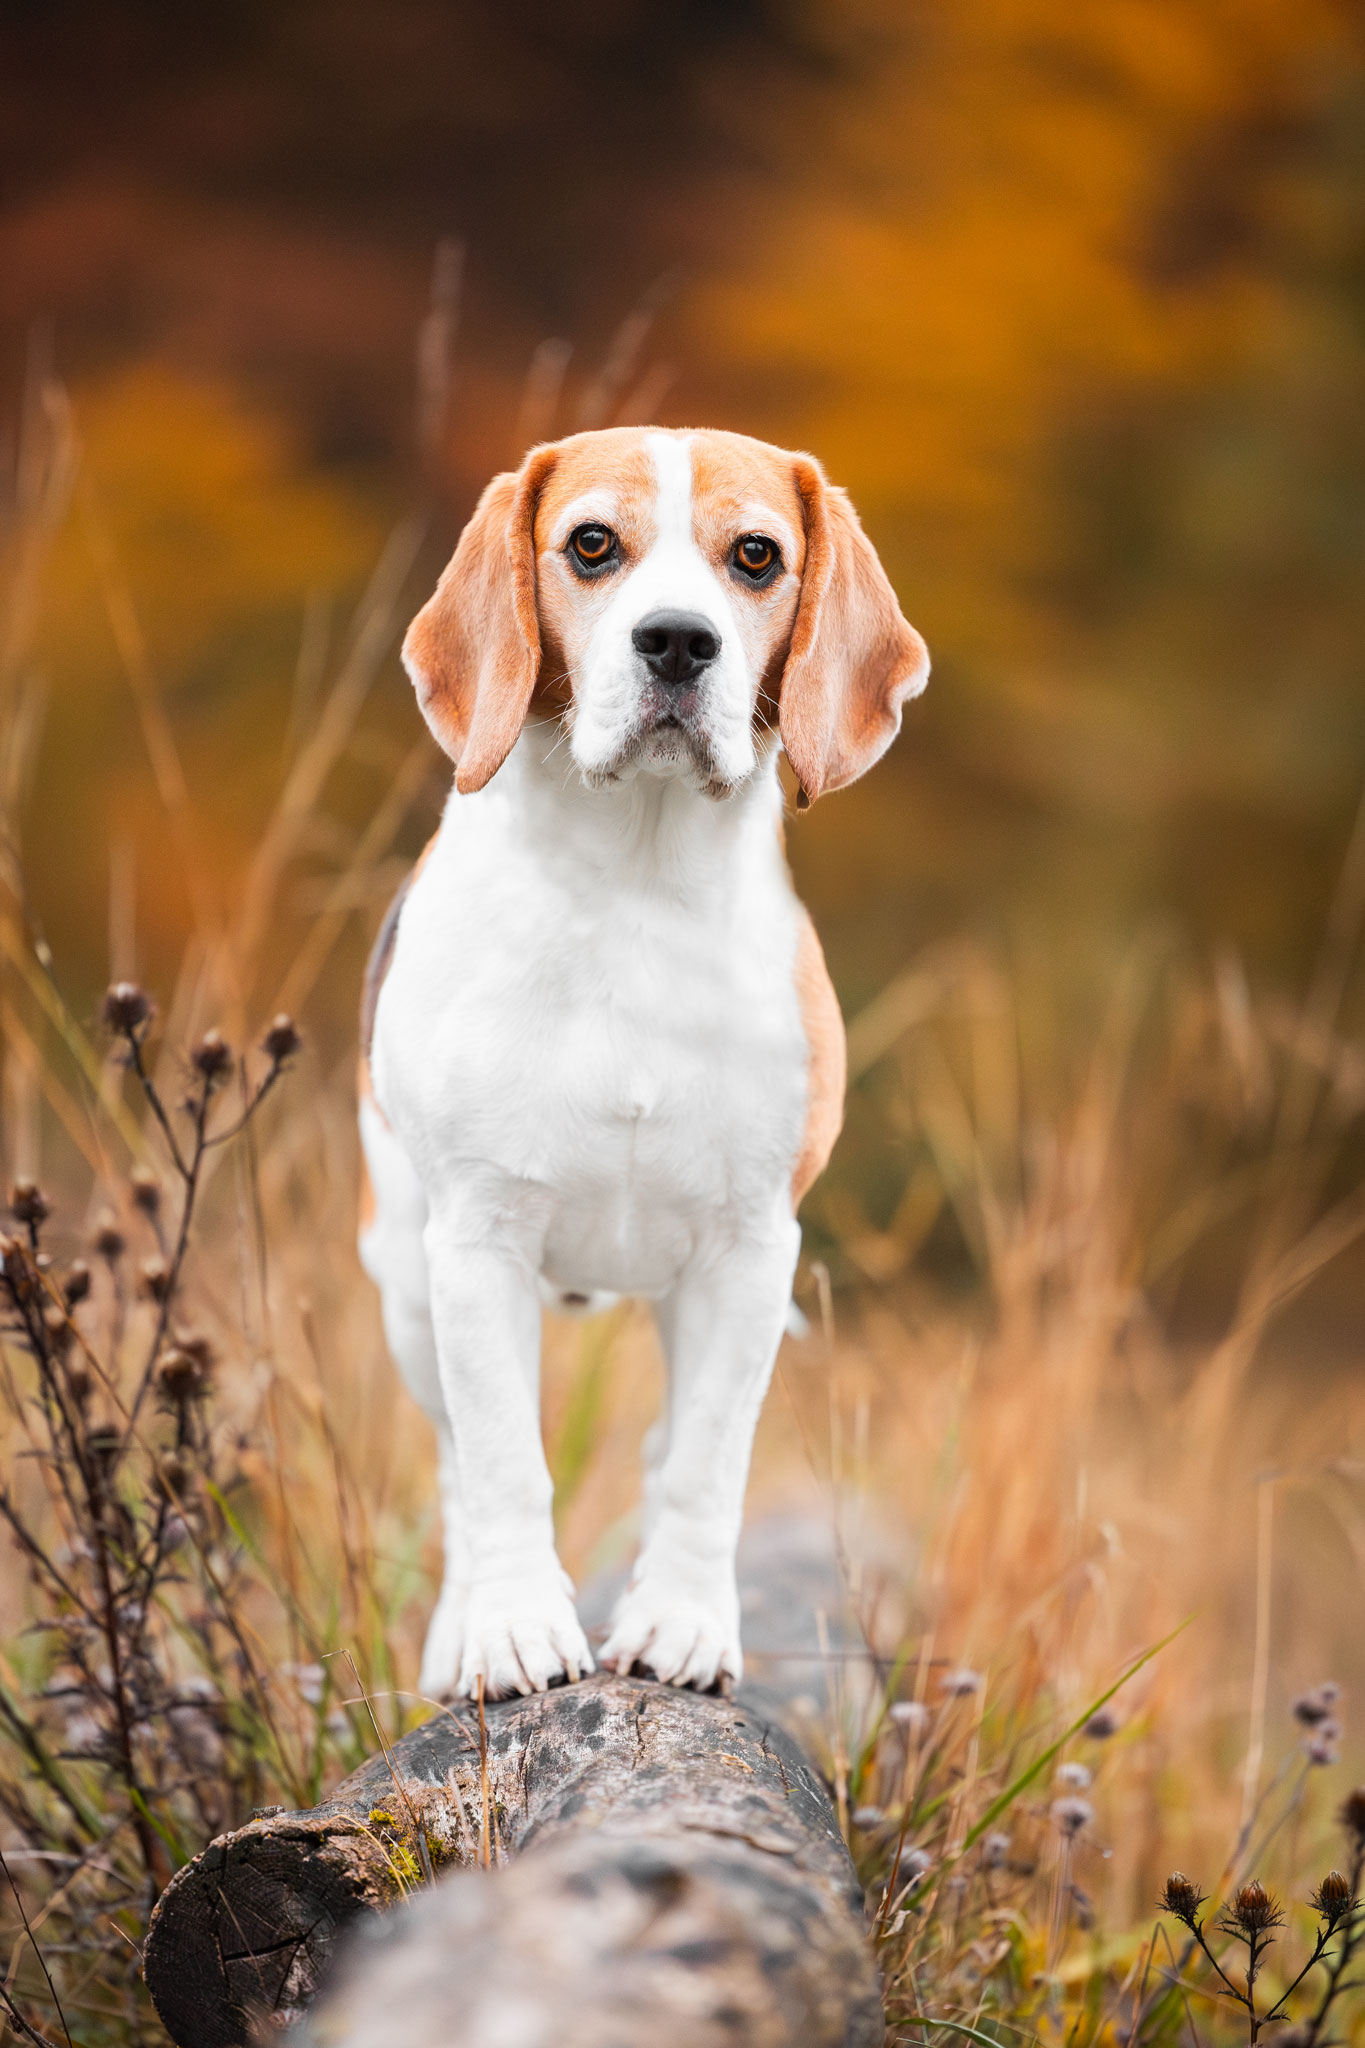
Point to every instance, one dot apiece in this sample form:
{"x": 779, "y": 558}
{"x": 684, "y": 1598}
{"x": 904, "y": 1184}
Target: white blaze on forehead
{"x": 672, "y": 459}
{"x": 672, "y": 573}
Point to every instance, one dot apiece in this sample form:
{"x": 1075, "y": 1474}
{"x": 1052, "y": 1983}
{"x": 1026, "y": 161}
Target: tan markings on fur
{"x": 827, "y": 1072}
{"x": 473, "y": 650}
{"x": 376, "y": 967}
{"x": 738, "y": 485}
{"x": 614, "y": 470}
{"x": 509, "y": 620}
{"x": 613, "y": 463}
{"x": 735, "y": 481}
{"x": 366, "y": 1189}
{"x": 853, "y": 658}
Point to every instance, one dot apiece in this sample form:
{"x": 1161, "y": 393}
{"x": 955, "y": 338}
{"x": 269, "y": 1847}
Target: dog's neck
{"x": 654, "y": 832}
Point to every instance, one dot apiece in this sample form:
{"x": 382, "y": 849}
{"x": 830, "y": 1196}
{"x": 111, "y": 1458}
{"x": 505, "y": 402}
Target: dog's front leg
{"x": 520, "y": 1627}
{"x": 721, "y": 1327}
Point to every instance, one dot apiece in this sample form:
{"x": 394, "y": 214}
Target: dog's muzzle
{"x": 675, "y": 649}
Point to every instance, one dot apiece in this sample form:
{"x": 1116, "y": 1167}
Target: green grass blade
{"x": 919, "y": 2019}
{"x": 1035, "y": 1770}
{"x": 577, "y": 1438}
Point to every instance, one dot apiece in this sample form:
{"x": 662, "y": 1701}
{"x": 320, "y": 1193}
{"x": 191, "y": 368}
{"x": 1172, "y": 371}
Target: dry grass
{"x": 1079, "y": 1484}
{"x": 1048, "y": 1401}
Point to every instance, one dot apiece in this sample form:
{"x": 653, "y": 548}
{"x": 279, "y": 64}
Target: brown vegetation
{"x": 1067, "y": 300}
{"x": 1040, "y": 1484}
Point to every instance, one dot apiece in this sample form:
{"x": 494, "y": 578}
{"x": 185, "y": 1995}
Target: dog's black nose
{"x": 676, "y": 646}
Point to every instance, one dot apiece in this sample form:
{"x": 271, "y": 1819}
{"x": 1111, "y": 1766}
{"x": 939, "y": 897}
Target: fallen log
{"x": 674, "y": 1872}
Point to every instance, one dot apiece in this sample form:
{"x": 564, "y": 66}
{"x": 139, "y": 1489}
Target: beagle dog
{"x": 602, "y": 1055}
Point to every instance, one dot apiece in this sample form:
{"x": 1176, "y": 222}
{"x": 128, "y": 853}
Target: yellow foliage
{"x": 966, "y": 238}
{"x": 215, "y": 515}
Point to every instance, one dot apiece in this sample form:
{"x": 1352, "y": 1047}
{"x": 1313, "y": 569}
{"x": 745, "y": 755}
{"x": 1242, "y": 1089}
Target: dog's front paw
{"x": 520, "y": 1634}
{"x": 443, "y": 1650}
{"x": 684, "y": 1634}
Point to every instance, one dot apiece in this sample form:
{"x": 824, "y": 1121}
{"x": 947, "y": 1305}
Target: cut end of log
{"x": 247, "y": 1929}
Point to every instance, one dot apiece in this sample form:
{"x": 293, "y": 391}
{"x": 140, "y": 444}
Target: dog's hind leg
{"x": 392, "y": 1253}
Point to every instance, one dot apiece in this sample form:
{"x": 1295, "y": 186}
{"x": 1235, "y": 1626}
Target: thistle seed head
{"x": 282, "y": 1040}
{"x": 995, "y": 1851}
{"x": 146, "y": 1190}
{"x": 199, "y": 1349}
{"x": 1181, "y": 1896}
{"x": 962, "y": 1683}
{"x": 911, "y": 1715}
{"x": 1253, "y": 1911}
{"x": 1352, "y": 1815}
{"x": 1072, "y": 1815}
{"x": 28, "y": 1204}
{"x": 126, "y": 1008}
{"x": 154, "y": 1278}
{"x": 211, "y": 1056}
{"x": 1325, "y": 1745}
{"x": 76, "y": 1284}
{"x": 178, "y": 1374}
{"x": 1333, "y": 1899}
{"x": 1074, "y": 1776}
{"x": 1103, "y": 1723}
{"x": 108, "y": 1240}
{"x": 1313, "y": 1707}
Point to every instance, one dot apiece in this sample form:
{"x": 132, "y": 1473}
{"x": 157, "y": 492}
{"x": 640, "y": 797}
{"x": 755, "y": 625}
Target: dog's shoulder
{"x": 381, "y": 953}
{"x": 827, "y": 1072}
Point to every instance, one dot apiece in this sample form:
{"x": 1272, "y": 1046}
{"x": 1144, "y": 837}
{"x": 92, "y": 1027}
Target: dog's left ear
{"x": 853, "y": 659}
{"x": 473, "y": 651}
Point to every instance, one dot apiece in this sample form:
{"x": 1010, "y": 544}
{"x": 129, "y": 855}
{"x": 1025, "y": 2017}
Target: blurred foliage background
{"x": 1070, "y": 299}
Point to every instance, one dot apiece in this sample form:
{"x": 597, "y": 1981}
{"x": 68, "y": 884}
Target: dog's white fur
{"x": 590, "y": 1078}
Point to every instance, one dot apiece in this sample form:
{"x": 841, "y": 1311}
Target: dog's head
{"x": 672, "y": 596}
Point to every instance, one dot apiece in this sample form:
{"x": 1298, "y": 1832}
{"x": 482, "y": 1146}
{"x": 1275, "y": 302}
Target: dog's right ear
{"x": 853, "y": 659}
{"x": 473, "y": 651}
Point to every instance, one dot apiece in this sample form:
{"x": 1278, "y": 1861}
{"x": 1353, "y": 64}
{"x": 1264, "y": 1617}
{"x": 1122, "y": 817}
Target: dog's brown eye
{"x": 592, "y": 546}
{"x": 756, "y": 555}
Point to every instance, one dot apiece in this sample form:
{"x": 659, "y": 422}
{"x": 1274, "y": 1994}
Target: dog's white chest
{"x": 624, "y": 1063}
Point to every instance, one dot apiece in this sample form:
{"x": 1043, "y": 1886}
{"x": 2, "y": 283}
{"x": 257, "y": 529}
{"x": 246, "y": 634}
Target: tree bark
{"x": 675, "y": 1874}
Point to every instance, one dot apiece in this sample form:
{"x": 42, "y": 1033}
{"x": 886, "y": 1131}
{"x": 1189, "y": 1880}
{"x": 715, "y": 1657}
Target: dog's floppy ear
{"x": 473, "y": 651}
{"x": 853, "y": 659}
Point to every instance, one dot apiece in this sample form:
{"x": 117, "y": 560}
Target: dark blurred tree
{"x": 1070, "y": 299}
